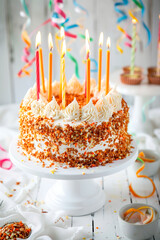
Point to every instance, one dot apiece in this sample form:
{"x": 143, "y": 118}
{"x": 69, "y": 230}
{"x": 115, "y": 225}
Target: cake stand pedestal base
{"x": 75, "y": 197}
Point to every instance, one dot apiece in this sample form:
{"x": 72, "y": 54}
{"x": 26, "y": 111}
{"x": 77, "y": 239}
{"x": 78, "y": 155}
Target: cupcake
{"x": 153, "y": 75}
{"x": 137, "y": 70}
{"x": 129, "y": 79}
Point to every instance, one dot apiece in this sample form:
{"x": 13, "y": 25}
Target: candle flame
{"x": 38, "y": 39}
{"x": 63, "y": 48}
{"x": 134, "y": 21}
{"x": 50, "y": 42}
{"x": 62, "y": 34}
{"x": 108, "y": 42}
{"x": 101, "y": 39}
{"x": 87, "y": 41}
{"x": 159, "y": 16}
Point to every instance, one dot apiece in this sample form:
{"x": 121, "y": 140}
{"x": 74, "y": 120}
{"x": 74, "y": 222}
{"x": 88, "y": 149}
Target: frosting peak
{"x": 89, "y": 112}
{"x": 114, "y": 99}
{"x": 74, "y": 86}
{"x": 71, "y": 112}
{"x": 52, "y": 109}
{"x": 104, "y": 110}
{"x": 37, "y": 107}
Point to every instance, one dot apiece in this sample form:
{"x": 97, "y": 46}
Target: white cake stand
{"x": 142, "y": 94}
{"x": 75, "y": 193}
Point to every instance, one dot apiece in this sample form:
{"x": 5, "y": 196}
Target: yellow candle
{"x": 100, "y": 61}
{"x": 50, "y": 43}
{"x": 63, "y": 75}
{"x": 88, "y": 69}
{"x": 107, "y": 65}
{"x": 62, "y": 38}
{"x": 42, "y": 68}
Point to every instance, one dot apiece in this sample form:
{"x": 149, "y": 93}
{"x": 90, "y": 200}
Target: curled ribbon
{"x": 144, "y": 107}
{"x": 75, "y": 62}
{"x": 96, "y": 65}
{"x": 5, "y": 160}
{"x": 124, "y": 15}
{"x": 79, "y": 7}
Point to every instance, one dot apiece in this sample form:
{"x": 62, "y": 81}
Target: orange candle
{"x": 100, "y": 61}
{"x": 63, "y": 75}
{"x": 41, "y": 66}
{"x": 88, "y": 70}
{"x": 37, "y": 65}
{"x": 62, "y": 38}
{"x": 107, "y": 65}
{"x": 50, "y": 43}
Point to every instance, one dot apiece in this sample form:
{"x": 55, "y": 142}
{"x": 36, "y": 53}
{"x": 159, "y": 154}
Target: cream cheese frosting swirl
{"x": 55, "y": 88}
{"x": 52, "y": 110}
{"x": 89, "y": 112}
{"x": 104, "y": 109}
{"x": 114, "y": 98}
{"x": 74, "y": 86}
{"x": 72, "y": 112}
{"x": 29, "y": 97}
{"x": 37, "y": 107}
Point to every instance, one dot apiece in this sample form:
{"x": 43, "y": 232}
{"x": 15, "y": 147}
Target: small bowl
{"x": 151, "y": 168}
{"x": 135, "y": 231}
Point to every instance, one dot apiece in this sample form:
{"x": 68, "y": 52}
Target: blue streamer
{"x": 80, "y": 7}
{"x": 144, "y": 107}
{"x": 124, "y": 15}
{"x": 96, "y": 65}
{"x": 144, "y": 25}
{"x": 70, "y": 26}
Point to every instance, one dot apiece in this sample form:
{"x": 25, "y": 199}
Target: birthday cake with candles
{"x": 79, "y": 135}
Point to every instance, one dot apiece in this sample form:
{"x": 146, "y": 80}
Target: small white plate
{"x": 151, "y": 168}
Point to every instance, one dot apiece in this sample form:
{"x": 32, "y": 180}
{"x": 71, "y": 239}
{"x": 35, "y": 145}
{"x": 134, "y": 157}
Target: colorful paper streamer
{"x": 124, "y": 15}
{"x": 80, "y": 7}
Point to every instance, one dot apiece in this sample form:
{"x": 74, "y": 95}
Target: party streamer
{"x": 75, "y": 62}
{"x": 124, "y": 15}
{"x": 146, "y": 105}
{"x": 144, "y": 25}
{"x": 96, "y": 65}
{"x": 79, "y": 7}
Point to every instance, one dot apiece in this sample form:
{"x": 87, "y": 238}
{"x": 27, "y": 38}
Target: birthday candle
{"x": 100, "y": 61}
{"x": 158, "y": 52}
{"x": 88, "y": 70}
{"x": 41, "y": 66}
{"x": 108, "y": 65}
{"x": 62, "y": 38}
{"x": 37, "y": 64}
{"x": 133, "y": 50}
{"x": 63, "y": 75}
{"x": 87, "y": 56}
{"x": 50, "y": 43}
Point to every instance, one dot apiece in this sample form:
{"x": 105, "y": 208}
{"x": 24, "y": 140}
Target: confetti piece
{"x": 53, "y": 171}
{"x": 83, "y": 173}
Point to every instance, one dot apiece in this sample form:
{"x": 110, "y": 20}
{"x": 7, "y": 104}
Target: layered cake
{"x": 81, "y": 135}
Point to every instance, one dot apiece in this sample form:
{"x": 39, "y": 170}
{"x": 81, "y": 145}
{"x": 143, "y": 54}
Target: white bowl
{"x": 134, "y": 231}
{"x": 151, "y": 168}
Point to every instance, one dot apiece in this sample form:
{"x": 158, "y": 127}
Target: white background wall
{"x": 102, "y": 17}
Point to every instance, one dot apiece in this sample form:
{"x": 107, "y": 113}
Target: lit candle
{"x": 108, "y": 64}
{"x": 158, "y": 53}
{"x": 50, "y": 44}
{"x": 41, "y": 65}
{"x": 37, "y": 64}
{"x": 62, "y": 38}
{"x": 100, "y": 61}
{"x": 88, "y": 68}
{"x": 63, "y": 75}
{"x": 133, "y": 50}
{"x": 87, "y": 56}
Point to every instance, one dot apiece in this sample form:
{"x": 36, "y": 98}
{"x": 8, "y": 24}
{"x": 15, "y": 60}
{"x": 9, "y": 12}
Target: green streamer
{"x": 84, "y": 37}
{"x": 50, "y": 4}
{"x": 138, "y": 3}
{"x": 139, "y": 159}
{"x": 75, "y": 62}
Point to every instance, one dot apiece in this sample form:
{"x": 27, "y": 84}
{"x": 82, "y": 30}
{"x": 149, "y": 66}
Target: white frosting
{"x": 93, "y": 85}
{"x": 55, "y": 88}
{"x": 104, "y": 109}
{"x": 29, "y": 97}
{"x": 74, "y": 86}
{"x": 89, "y": 112}
{"x": 71, "y": 112}
{"x": 114, "y": 98}
{"x": 52, "y": 109}
{"x": 37, "y": 107}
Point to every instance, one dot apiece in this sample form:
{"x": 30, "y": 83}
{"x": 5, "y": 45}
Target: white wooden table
{"x": 103, "y": 224}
